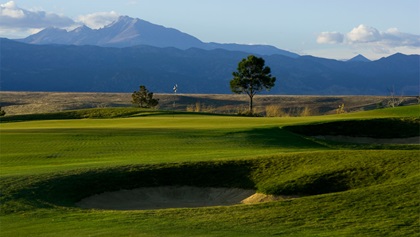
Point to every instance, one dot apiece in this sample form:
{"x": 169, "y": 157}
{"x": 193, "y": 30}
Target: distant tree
{"x": 251, "y": 77}
{"x": 340, "y": 109}
{"x": 2, "y": 112}
{"x": 394, "y": 100}
{"x": 143, "y": 98}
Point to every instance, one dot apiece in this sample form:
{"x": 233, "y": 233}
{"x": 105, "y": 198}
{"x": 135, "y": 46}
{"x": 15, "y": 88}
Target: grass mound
{"x": 328, "y": 182}
{"x": 97, "y": 113}
{"x": 375, "y": 128}
{"x": 282, "y": 175}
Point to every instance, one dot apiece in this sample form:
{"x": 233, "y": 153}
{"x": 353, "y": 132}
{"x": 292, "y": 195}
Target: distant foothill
{"x": 135, "y": 52}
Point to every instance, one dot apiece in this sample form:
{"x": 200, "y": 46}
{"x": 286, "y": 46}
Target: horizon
{"x": 354, "y": 30}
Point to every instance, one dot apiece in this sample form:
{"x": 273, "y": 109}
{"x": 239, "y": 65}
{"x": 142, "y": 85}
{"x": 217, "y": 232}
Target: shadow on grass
{"x": 376, "y": 128}
{"x": 304, "y": 174}
{"x": 98, "y": 113}
{"x": 277, "y": 137}
{"x": 66, "y": 189}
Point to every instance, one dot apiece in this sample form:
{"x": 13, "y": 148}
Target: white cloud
{"x": 16, "y": 22}
{"x": 394, "y": 37}
{"x": 10, "y": 9}
{"x": 13, "y": 17}
{"x": 363, "y": 34}
{"x": 365, "y": 37}
{"x": 98, "y": 19}
{"x": 330, "y": 38}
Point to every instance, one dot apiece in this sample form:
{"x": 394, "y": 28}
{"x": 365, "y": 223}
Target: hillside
{"x": 65, "y": 68}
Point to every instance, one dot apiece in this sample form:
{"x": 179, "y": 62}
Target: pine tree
{"x": 143, "y": 98}
{"x": 252, "y": 77}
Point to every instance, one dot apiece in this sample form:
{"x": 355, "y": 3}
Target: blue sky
{"x": 337, "y": 29}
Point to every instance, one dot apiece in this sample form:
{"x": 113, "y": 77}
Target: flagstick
{"x": 175, "y": 89}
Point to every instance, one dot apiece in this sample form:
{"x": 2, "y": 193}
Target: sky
{"x": 338, "y": 29}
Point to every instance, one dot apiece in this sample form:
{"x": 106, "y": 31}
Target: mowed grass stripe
{"x": 113, "y": 146}
{"x": 62, "y": 144}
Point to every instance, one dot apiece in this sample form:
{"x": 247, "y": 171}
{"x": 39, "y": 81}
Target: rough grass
{"x": 341, "y": 191}
{"x": 16, "y": 103}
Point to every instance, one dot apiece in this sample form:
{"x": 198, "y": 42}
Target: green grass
{"x": 60, "y": 145}
{"x": 375, "y": 128}
{"x": 49, "y": 164}
{"x": 380, "y": 200}
{"x": 83, "y": 114}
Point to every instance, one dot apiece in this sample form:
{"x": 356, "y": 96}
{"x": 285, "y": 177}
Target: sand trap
{"x": 370, "y": 140}
{"x": 173, "y": 197}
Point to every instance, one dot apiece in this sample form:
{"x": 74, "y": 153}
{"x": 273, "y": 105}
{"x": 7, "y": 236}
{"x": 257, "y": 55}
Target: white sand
{"x": 173, "y": 197}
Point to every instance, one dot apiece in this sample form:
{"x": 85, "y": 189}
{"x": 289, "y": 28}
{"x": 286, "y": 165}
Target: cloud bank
{"x": 18, "y": 21}
{"x": 12, "y": 16}
{"x": 330, "y": 38}
{"x": 363, "y": 35}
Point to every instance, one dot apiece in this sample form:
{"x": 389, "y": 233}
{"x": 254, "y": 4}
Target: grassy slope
{"x": 39, "y": 181}
{"x": 64, "y": 144}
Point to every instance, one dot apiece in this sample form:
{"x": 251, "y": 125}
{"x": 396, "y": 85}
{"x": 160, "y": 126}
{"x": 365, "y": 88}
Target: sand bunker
{"x": 173, "y": 197}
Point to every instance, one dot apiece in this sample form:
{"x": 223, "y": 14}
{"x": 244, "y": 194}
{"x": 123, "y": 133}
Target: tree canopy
{"x": 251, "y": 77}
{"x": 143, "y": 98}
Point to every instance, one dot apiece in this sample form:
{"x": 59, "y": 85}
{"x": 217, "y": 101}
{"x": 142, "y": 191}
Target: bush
{"x": 2, "y": 112}
{"x": 143, "y": 98}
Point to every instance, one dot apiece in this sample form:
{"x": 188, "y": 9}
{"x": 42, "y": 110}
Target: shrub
{"x": 143, "y": 98}
{"x": 340, "y": 109}
{"x": 2, "y": 112}
{"x": 274, "y": 111}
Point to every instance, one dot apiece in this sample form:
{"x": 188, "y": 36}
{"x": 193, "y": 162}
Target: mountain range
{"x": 28, "y": 67}
{"x": 127, "y": 32}
{"x": 132, "y": 52}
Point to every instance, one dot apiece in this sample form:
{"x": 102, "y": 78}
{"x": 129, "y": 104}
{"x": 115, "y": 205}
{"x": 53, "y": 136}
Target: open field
{"x": 44, "y": 102}
{"x": 49, "y": 162}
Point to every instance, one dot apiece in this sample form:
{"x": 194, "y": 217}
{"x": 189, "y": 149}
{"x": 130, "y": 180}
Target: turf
{"x": 60, "y": 145}
{"x": 342, "y": 190}
{"x": 375, "y": 128}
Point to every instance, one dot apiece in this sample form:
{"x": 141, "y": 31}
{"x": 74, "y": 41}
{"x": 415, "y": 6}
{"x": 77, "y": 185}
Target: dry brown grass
{"x": 306, "y": 111}
{"x": 274, "y": 111}
{"x": 42, "y": 102}
{"x": 200, "y": 107}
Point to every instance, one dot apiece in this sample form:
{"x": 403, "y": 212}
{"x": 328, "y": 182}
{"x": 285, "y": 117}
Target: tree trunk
{"x": 250, "y": 104}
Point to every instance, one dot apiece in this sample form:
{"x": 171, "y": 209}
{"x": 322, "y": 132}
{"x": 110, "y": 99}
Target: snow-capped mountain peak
{"x": 127, "y": 31}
